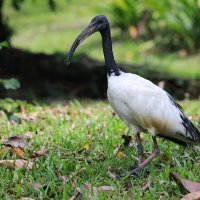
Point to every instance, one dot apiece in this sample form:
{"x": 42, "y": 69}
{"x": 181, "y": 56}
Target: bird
{"x": 139, "y": 103}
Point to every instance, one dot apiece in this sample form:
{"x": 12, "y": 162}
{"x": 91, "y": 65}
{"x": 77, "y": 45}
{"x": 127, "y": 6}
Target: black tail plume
{"x": 190, "y": 130}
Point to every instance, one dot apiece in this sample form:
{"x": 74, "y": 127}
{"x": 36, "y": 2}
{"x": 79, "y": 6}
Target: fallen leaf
{"x": 105, "y": 188}
{"x": 15, "y": 141}
{"x": 78, "y": 196}
{"x": 75, "y": 174}
{"x": 121, "y": 155}
{"x": 112, "y": 174}
{"x": 161, "y": 196}
{"x": 162, "y": 182}
{"x": 198, "y": 159}
{"x": 187, "y": 184}
{"x": 74, "y": 185}
{"x": 192, "y": 196}
{"x": 128, "y": 140}
{"x": 39, "y": 154}
{"x": 26, "y": 198}
{"x": 64, "y": 179}
{"x": 86, "y": 146}
{"x": 42, "y": 152}
{"x": 12, "y": 150}
{"x": 29, "y": 118}
{"x": 36, "y": 185}
{"x": 165, "y": 158}
{"x": 146, "y": 186}
{"x": 3, "y": 149}
{"x": 19, "y": 163}
{"x": 18, "y": 151}
{"x": 72, "y": 198}
{"x": 10, "y": 191}
{"x": 28, "y": 135}
{"x": 97, "y": 189}
{"x": 117, "y": 149}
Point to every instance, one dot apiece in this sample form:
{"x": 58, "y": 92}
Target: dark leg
{"x": 140, "y": 148}
{"x": 156, "y": 151}
{"x": 135, "y": 171}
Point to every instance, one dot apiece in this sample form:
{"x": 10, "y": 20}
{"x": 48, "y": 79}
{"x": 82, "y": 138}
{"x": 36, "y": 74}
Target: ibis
{"x": 142, "y": 105}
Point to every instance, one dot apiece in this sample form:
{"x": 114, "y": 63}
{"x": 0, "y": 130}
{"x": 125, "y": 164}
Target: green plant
{"x": 11, "y": 83}
{"x": 172, "y": 24}
{"x": 126, "y": 13}
{"x": 176, "y": 23}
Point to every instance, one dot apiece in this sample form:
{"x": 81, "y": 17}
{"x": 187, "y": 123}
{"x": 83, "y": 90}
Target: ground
{"x": 84, "y": 145}
{"x": 81, "y": 140}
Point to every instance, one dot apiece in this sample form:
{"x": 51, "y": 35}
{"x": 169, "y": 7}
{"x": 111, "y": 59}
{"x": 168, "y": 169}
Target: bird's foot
{"x": 127, "y": 174}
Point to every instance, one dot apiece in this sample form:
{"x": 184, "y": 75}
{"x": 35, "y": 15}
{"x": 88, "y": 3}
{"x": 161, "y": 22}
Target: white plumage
{"x": 142, "y": 105}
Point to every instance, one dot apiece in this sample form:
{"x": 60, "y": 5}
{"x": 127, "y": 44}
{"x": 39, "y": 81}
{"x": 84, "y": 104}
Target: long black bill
{"x": 90, "y": 29}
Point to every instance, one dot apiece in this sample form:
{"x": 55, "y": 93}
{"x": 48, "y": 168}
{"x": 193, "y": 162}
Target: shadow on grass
{"x": 46, "y": 76}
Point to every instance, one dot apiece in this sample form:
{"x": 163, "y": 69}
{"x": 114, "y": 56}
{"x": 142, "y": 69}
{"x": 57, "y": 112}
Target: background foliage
{"x": 172, "y": 24}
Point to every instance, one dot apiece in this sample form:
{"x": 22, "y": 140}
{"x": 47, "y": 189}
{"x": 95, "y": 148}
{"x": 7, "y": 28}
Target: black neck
{"x": 108, "y": 53}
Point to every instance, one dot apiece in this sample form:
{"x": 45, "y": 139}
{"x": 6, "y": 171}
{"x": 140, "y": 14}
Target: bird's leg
{"x": 140, "y": 156}
{"x": 140, "y": 148}
{"x": 156, "y": 151}
{"x": 135, "y": 171}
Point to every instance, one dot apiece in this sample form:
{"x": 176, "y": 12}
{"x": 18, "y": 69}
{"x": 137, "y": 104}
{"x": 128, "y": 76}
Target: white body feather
{"x": 144, "y": 106}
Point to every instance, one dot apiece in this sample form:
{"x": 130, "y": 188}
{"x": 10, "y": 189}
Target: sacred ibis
{"x": 143, "y": 106}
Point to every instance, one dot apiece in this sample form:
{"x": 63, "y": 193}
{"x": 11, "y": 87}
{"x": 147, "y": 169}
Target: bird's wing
{"x": 174, "y": 102}
{"x": 190, "y": 130}
{"x": 144, "y": 104}
{"x": 175, "y": 117}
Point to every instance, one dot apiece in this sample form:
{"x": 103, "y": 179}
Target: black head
{"x": 98, "y": 23}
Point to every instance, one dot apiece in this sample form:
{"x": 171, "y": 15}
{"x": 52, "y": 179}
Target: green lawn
{"x": 40, "y": 30}
{"x": 82, "y": 139}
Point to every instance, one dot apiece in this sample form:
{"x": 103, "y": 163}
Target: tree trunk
{"x": 5, "y": 31}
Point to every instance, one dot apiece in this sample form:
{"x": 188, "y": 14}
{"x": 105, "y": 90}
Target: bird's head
{"x": 98, "y": 23}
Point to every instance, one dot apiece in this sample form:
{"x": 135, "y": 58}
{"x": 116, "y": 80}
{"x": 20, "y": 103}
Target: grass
{"x": 39, "y": 30}
{"x": 82, "y": 138}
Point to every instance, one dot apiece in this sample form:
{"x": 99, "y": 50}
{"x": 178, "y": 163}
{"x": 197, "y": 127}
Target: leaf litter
{"x": 190, "y": 186}
{"x": 86, "y": 188}
{"x": 15, "y": 146}
{"x": 18, "y": 163}
{"x": 39, "y": 154}
{"x": 15, "y": 141}
{"x": 192, "y": 196}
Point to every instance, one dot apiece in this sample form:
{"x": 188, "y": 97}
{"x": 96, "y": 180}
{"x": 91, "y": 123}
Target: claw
{"x": 127, "y": 174}
{"x": 135, "y": 172}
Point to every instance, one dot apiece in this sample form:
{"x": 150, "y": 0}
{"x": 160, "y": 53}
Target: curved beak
{"x": 89, "y": 30}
